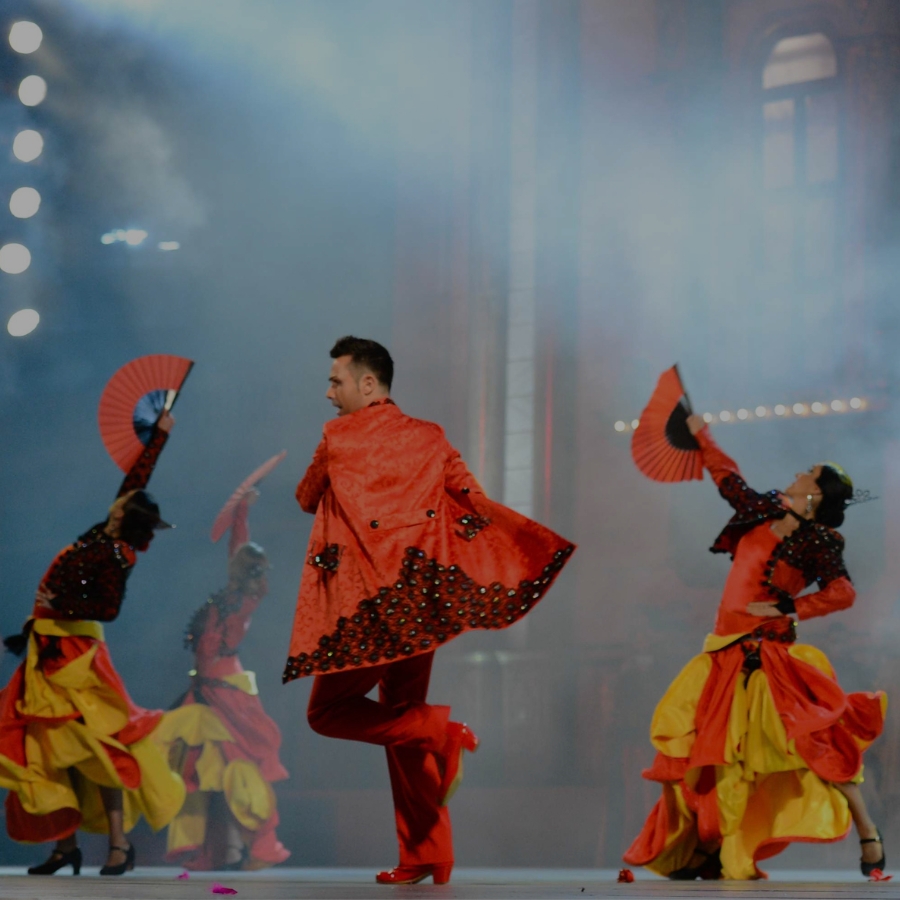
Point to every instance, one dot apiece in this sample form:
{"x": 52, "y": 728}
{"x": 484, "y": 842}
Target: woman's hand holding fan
{"x": 137, "y": 399}
{"x": 663, "y": 446}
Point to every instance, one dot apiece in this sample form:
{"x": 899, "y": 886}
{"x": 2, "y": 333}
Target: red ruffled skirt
{"x": 67, "y": 728}
{"x": 748, "y": 760}
{"x": 223, "y": 743}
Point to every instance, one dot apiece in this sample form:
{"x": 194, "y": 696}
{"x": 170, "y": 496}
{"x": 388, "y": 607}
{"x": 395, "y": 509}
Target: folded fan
{"x": 662, "y": 445}
{"x": 133, "y": 400}
{"x": 234, "y": 513}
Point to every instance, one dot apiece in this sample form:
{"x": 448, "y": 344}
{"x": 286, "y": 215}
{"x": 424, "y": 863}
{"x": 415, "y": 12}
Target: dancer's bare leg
{"x": 223, "y": 834}
{"x": 66, "y": 845}
{"x": 235, "y": 852}
{"x": 113, "y": 804}
{"x": 865, "y": 827}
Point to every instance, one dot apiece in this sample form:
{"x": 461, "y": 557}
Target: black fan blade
{"x": 685, "y": 400}
{"x": 677, "y": 431}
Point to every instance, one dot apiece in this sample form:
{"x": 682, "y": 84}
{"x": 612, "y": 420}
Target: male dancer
{"x": 406, "y": 553}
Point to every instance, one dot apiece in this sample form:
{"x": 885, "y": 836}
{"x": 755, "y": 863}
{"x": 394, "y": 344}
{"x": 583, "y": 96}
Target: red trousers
{"x": 410, "y": 731}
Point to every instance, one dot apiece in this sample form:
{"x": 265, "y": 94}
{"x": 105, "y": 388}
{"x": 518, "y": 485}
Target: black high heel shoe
{"x": 710, "y": 869}
{"x": 57, "y": 860}
{"x": 124, "y": 867}
{"x": 868, "y": 868}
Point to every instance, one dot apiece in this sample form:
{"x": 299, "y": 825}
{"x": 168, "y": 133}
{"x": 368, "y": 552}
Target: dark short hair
{"x": 367, "y": 355}
{"x": 836, "y": 493}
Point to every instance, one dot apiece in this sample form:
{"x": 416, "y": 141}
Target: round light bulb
{"x": 32, "y": 90}
{"x": 28, "y": 145}
{"x": 620, "y": 426}
{"x": 635, "y": 423}
{"x": 780, "y": 410}
{"x": 25, "y": 37}
{"x": 23, "y": 322}
{"x": 743, "y": 414}
{"x": 761, "y": 412}
{"x": 838, "y": 405}
{"x": 24, "y": 202}
{"x": 14, "y": 258}
{"x": 856, "y": 403}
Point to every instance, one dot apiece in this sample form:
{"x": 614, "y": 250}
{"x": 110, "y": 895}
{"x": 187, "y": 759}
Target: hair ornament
{"x": 840, "y": 472}
{"x": 861, "y": 496}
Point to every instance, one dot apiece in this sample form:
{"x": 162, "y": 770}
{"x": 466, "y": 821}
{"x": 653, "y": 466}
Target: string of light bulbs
{"x": 778, "y": 411}
{"x": 15, "y": 258}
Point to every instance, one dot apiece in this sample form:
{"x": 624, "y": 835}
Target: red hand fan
{"x": 229, "y": 513}
{"x": 662, "y": 446}
{"x": 133, "y": 400}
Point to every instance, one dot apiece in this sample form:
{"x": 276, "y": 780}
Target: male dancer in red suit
{"x": 406, "y": 553}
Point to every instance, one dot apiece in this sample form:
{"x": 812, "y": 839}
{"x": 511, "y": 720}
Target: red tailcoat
{"x": 406, "y": 551}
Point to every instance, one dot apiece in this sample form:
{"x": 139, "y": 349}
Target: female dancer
{"x": 757, "y": 744}
{"x": 219, "y": 737}
{"x": 75, "y": 751}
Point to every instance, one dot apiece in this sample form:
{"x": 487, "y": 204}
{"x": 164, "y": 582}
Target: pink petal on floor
{"x": 221, "y": 889}
{"x": 183, "y": 876}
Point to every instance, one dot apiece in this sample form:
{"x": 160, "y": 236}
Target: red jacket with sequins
{"x": 814, "y": 550}
{"x": 88, "y": 577}
{"x": 406, "y": 551}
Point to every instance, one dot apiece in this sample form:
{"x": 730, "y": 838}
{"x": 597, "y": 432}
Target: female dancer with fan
{"x": 757, "y": 745}
{"x": 229, "y": 818}
{"x": 75, "y": 751}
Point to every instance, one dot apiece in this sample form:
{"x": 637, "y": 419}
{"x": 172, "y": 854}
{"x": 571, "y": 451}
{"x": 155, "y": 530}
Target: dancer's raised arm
{"x": 724, "y": 470}
{"x": 138, "y": 476}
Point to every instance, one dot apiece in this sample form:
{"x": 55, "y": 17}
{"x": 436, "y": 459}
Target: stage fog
{"x": 538, "y": 206}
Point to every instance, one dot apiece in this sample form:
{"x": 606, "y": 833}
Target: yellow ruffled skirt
{"x": 67, "y": 728}
{"x": 215, "y": 767}
{"x": 748, "y": 760}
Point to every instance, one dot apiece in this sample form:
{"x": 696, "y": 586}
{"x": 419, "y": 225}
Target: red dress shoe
{"x": 459, "y": 739}
{"x": 440, "y": 874}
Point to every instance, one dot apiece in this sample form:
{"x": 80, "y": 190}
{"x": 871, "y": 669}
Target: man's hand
{"x": 695, "y": 423}
{"x": 166, "y": 421}
{"x": 44, "y": 598}
{"x": 763, "y": 609}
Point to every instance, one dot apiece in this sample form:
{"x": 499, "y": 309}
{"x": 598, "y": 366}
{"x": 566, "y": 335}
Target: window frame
{"x": 800, "y": 193}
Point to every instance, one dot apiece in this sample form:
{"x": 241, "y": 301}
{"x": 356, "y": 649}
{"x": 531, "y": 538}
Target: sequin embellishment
{"x": 328, "y": 558}
{"x": 428, "y": 605}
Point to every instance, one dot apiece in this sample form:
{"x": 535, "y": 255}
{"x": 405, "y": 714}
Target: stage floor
{"x": 468, "y": 884}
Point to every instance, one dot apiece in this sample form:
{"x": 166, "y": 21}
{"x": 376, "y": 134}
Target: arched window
{"x": 801, "y": 161}
{"x": 798, "y": 60}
